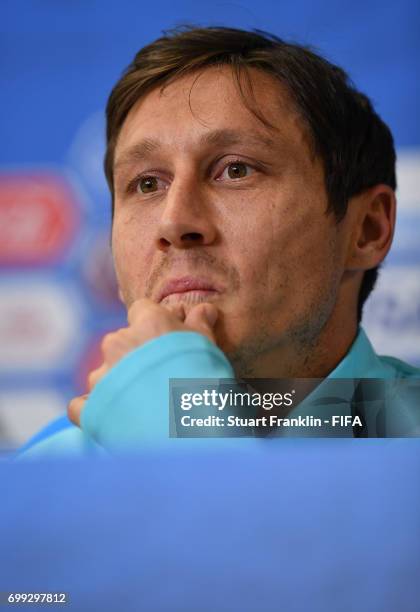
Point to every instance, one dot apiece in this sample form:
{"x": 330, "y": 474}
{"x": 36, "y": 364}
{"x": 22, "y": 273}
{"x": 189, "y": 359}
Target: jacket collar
{"x": 361, "y": 361}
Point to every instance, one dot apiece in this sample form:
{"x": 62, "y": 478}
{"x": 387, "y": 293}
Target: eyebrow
{"x": 139, "y": 151}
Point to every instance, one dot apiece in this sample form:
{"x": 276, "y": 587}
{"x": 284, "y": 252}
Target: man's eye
{"x": 236, "y": 170}
{"x": 149, "y": 184}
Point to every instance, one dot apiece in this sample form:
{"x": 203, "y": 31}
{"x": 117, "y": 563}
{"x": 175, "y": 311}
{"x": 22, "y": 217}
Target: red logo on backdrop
{"x": 38, "y": 218}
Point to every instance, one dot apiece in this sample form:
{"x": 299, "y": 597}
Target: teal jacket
{"x": 129, "y": 407}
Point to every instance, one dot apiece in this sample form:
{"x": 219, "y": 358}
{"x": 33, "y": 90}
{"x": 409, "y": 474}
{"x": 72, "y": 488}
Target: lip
{"x": 185, "y": 284}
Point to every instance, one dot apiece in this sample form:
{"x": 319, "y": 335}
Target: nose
{"x": 186, "y": 219}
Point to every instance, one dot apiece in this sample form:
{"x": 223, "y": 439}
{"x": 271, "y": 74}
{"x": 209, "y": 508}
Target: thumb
{"x": 75, "y": 408}
{"x": 202, "y": 319}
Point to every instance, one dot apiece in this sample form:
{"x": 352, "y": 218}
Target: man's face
{"x": 211, "y": 205}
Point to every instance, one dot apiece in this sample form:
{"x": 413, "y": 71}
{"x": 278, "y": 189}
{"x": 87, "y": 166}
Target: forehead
{"x": 210, "y": 100}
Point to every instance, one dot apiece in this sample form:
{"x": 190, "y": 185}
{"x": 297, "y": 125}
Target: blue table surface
{"x": 303, "y": 525}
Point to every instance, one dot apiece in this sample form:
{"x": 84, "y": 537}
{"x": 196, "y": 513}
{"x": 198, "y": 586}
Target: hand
{"x": 146, "y": 321}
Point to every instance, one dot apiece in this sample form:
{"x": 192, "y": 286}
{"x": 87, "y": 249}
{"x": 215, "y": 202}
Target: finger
{"x": 138, "y": 307}
{"x": 96, "y": 375}
{"x": 176, "y": 309}
{"x": 202, "y": 319}
{"x": 75, "y": 408}
{"x": 117, "y": 344}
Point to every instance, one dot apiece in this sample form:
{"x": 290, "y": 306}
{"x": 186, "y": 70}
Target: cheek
{"x": 128, "y": 247}
{"x": 304, "y": 269}
{"x": 289, "y": 257}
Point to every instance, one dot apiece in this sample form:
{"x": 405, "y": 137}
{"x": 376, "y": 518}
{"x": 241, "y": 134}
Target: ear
{"x": 373, "y": 227}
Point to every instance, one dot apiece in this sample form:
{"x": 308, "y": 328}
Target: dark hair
{"x": 355, "y": 145}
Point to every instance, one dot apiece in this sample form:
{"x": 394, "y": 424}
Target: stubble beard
{"x": 297, "y": 349}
